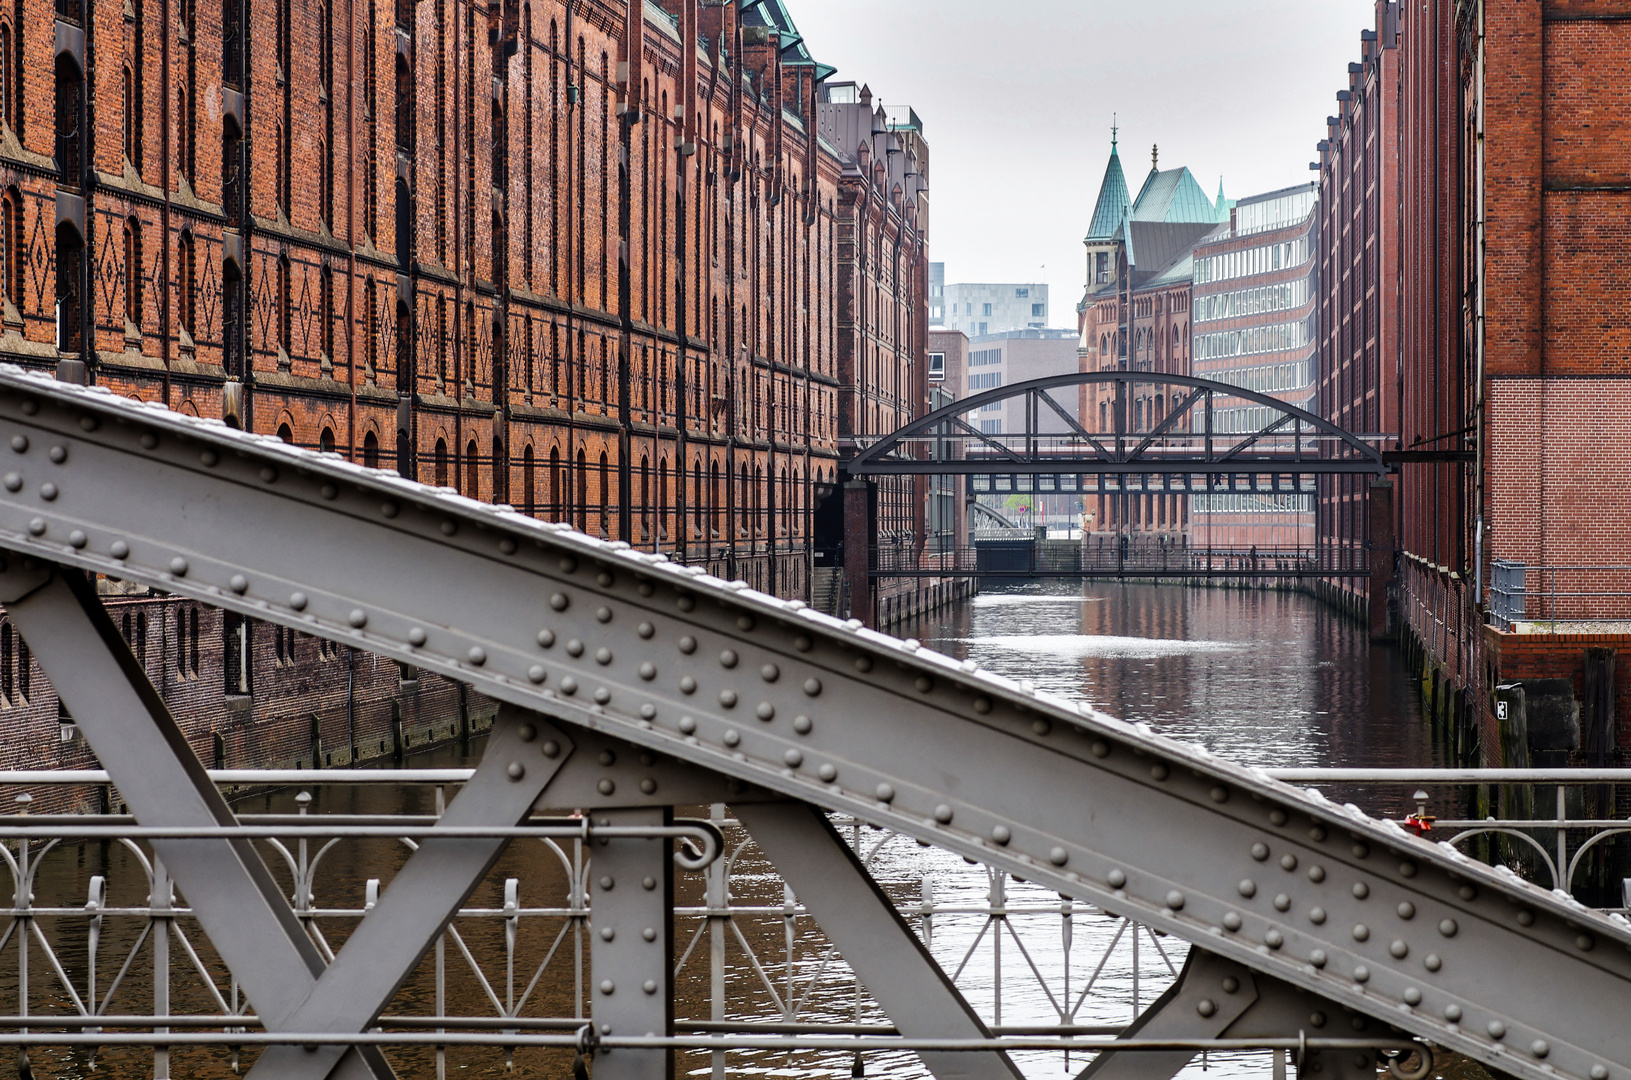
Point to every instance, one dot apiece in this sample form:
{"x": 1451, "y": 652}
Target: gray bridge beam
{"x": 770, "y": 694}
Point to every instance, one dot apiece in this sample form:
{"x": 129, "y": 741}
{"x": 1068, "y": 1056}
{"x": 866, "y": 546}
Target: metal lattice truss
{"x": 722, "y": 694}
{"x": 1259, "y": 444}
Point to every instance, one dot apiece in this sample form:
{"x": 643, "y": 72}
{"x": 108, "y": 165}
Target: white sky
{"x": 1016, "y": 100}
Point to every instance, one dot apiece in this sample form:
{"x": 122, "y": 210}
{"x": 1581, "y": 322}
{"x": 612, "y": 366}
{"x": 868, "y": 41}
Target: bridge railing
{"x": 1096, "y": 557}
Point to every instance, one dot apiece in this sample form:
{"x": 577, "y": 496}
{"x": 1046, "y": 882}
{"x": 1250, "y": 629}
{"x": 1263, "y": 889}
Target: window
{"x": 985, "y": 309}
{"x": 325, "y": 313}
{"x": 10, "y": 78}
{"x": 441, "y": 463}
{"x": 285, "y": 300}
{"x": 133, "y": 275}
{"x": 325, "y": 441}
{"x": 1022, "y": 294}
{"x": 983, "y": 326}
{"x": 285, "y": 433}
{"x": 1037, "y": 310}
{"x": 236, "y": 658}
{"x": 11, "y": 246}
{"x": 937, "y": 366}
{"x": 370, "y": 451}
{"x": 990, "y": 427}
{"x": 187, "y": 284}
{"x": 70, "y": 86}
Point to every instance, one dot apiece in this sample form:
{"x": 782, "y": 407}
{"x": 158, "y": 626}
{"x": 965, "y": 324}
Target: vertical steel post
{"x": 162, "y": 900}
{"x": 717, "y": 895}
{"x": 631, "y": 957}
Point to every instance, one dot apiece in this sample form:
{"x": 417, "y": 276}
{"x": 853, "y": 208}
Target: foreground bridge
{"x": 630, "y": 686}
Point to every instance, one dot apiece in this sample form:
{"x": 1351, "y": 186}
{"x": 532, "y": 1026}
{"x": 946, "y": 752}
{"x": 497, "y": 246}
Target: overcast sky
{"x": 1016, "y": 101}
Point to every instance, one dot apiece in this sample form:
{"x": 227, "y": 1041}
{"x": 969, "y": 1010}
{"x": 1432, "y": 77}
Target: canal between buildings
{"x": 1261, "y": 678}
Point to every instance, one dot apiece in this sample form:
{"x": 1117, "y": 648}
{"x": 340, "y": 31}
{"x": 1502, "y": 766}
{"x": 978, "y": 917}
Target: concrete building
{"x": 1253, "y": 324}
{"x": 937, "y": 294}
{"x": 947, "y": 528}
{"x": 1014, "y": 357}
{"x": 1135, "y": 317}
{"x": 980, "y": 310}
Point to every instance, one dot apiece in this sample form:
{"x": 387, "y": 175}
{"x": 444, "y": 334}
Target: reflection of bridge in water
{"x": 629, "y": 686}
{"x": 1107, "y": 557}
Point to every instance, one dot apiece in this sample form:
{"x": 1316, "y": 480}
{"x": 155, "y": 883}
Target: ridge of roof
{"x": 1112, "y": 203}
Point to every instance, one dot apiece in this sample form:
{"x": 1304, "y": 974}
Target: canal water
{"x": 1263, "y": 678}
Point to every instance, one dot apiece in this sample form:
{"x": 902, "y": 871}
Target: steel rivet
{"x": 863, "y": 663}
{"x": 1231, "y": 922}
{"x": 885, "y": 792}
{"x": 688, "y": 645}
{"x": 238, "y": 584}
{"x": 1406, "y": 910}
{"x": 602, "y": 695}
{"x": 1431, "y": 962}
{"x": 608, "y": 934}
{"x": 802, "y": 724}
{"x": 1100, "y": 749}
{"x": 1452, "y": 1013}
{"x": 649, "y": 933}
{"x": 1288, "y": 862}
{"x": 648, "y": 671}
{"x": 1041, "y": 727}
{"x": 1316, "y": 915}
{"x": 13, "y": 482}
{"x": 1260, "y": 852}
{"x": 178, "y": 566}
{"x": 209, "y": 458}
{"x": 1447, "y": 927}
{"x": 1282, "y": 902}
{"x": 76, "y": 538}
{"x": 793, "y": 757}
{"x": 812, "y": 687}
{"x": 731, "y": 738}
{"x": 1399, "y": 949}
{"x": 744, "y": 623}
{"x": 645, "y": 630}
{"x": 827, "y": 772}
{"x": 1407, "y": 869}
{"x": 526, "y": 732}
{"x": 48, "y": 491}
{"x": 685, "y": 602}
{"x": 389, "y": 509}
{"x": 603, "y": 614}
{"x": 1412, "y": 996}
{"x": 328, "y": 491}
{"x": 924, "y": 684}
{"x": 516, "y": 770}
{"x": 1205, "y": 1007}
{"x": 1277, "y": 816}
{"x": 649, "y": 986}
{"x": 120, "y": 550}
{"x": 1058, "y": 856}
{"x": 603, "y": 656}
{"x": 1316, "y": 1019}
{"x": 606, "y": 786}
{"x": 1526, "y": 918}
{"x": 727, "y": 658}
{"x": 1316, "y": 874}
{"x": 607, "y": 757}
{"x": 1599, "y": 1072}
{"x": 645, "y": 588}
{"x": 1220, "y": 794}
{"x": 770, "y": 673}
{"x": 449, "y": 526}
{"x": 507, "y": 545}
{"x": 1317, "y": 833}
{"x": 1230, "y": 984}
{"x": 58, "y": 454}
{"x": 559, "y": 601}
{"x": 648, "y": 711}
{"x": 803, "y": 643}
{"x": 569, "y": 686}
{"x": 1361, "y": 973}
{"x": 19, "y": 443}
{"x": 607, "y": 986}
{"x": 148, "y": 440}
{"x": 1361, "y": 851}
{"x": 982, "y": 705}
{"x": 1159, "y": 771}
{"x": 688, "y": 685}
{"x": 687, "y": 725}
{"x": 1361, "y": 932}
{"x": 545, "y": 638}
{"x": 1360, "y": 890}
{"x": 604, "y": 579}
{"x": 1000, "y": 834}
{"x": 36, "y": 526}
{"x": 1585, "y": 942}
{"x": 358, "y": 618}
{"x": 1540, "y": 1048}
{"x": 551, "y": 748}
{"x": 1274, "y": 939}
{"x": 727, "y": 699}
{"x": 1317, "y": 958}
{"x": 766, "y": 711}
{"x": 477, "y": 655}
{"x": 1496, "y": 1029}
{"x": 942, "y": 814}
{"x": 30, "y": 406}
{"x": 574, "y": 648}
{"x": 648, "y": 785}
{"x": 417, "y": 636}
{"x": 297, "y": 601}
{"x": 1247, "y": 888}
{"x": 1175, "y": 900}
{"x": 269, "y": 474}
{"x": 88, "y": 422}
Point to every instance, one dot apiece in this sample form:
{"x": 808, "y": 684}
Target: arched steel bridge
{"x": 1188, "y": 448}
{"x": 630, "y": 685}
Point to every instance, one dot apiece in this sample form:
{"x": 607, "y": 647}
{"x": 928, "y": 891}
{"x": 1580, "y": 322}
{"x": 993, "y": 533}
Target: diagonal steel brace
{"x": 863, "y": 922}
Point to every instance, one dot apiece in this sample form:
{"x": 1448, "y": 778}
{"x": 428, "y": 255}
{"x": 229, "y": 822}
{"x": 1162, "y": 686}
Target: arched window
{"x": 714, "y": 502}
{"x": 472, "y": 479}
{"x": 441, "y": 463}
{"x": 133, "y": 274}
{"x": 187, "y": 284}
{"x": 325, "y": 312}
{"x": 70, "y": 85}
{"x": 10, "y": 78}
{"x": 556, "y": 504}
{"x": 325, "y": 440}
{"x": 11, "y": 245}
{"x": 284, "y": 433}
{"x": 404, "y": 349}
{"x": 70, "y": 258}
{"x": 605, "y": 480}
{"x": 231, "y": 168}
{"x": 285, "y": 314}
{"x": 645, "y": 494}
{"x": 583, "y": 493}
{"x": 406, "y": 466}
{"x": 501, "y": 469}
{"x": 528, "y": 491}
{"x": 370, "y": 451}
{"x": 129, "y": 130}
{"x": 663, "y": 506}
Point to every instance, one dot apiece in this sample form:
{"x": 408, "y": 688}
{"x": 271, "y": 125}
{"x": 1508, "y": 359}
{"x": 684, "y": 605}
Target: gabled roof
{"x": 1113, "y": 202}
{"x": 1173, "y": 196}
{"x": 774, "y": 14}
{"x": 1223, "y": 205}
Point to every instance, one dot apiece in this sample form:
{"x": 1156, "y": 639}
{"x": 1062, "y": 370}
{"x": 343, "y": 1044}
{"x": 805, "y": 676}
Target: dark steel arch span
{"x": 1294, "y": 440}
{"x": 714, "y": 692}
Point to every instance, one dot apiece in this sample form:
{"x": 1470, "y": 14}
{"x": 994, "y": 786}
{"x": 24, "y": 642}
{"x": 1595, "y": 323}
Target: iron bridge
{"x": 629, "y": 686}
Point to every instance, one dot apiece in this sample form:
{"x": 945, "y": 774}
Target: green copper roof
{"x": 1112, "y": 204}
{"x": 774, "y": 14}
{"x": 1173, "y": 196}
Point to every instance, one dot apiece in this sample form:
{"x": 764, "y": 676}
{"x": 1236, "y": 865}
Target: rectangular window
{"x": 236, "y": 659}
{"x": 937, "y": 366}
{"x": 1022, "y": 294}
{"x": 984, "y": 325}
{"x": 985, "y": 309}
{"x": 990, "y": 427}
{"x": 1036, "y": 310}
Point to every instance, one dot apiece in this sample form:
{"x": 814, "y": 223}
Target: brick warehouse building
{"x": 589, "y": 258}
{"x": 1511, "y": 332}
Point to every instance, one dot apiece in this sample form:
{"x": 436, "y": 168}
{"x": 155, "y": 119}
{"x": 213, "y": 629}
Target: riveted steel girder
{"x": 772, "y": 694}
{"x": 631, "y": 956}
